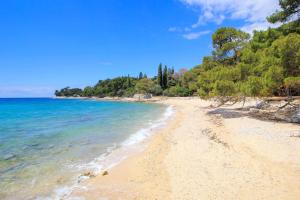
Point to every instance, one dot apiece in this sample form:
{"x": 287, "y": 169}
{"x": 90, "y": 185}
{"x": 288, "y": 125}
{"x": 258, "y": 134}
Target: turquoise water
{"x": 45, "y": 143}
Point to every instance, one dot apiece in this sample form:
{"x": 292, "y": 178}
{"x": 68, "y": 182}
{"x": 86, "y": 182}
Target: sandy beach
{"x": 207, "y": 153}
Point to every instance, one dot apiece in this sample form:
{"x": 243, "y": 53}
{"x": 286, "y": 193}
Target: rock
{"x": 89, "y": 174}
{"x": 289, "y": 113}
{"x": 295, "y": 134}
{"x": 262, "y": 105}
{"x": 104, "y": 173}
{"x": 9, "y": 156}
{"x": 276, "y": 111}
{"x": 296, "y": 117}
{"x": 253, "y": 110}
{"x": 142, "y": 96}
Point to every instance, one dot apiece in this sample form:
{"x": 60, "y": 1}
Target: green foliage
{"x": 160, "y": 75}
{"x": 144, "y": 86}
{"x": 262, "y": 63}
{"x": 267, "y": 64}
{"x": 88, "y": 91}
{"x": 223, "y": 88}
{"x": 69, "y": 92}
{"x": 156, "y": 90}
{"x": 141, "y": 75}
{"x": 289, "y": 8}
{"x": 228, "y": 42}
{"x": 287, "y": 50}
{"x": 202, "y": 93}
{"x": 292, "y": 82}
{"x": 165, "y": 78}
{"x": 273, "y": 79}
{"x": 176, "y": 91}
{"x": 292, "y": 85}
{"x": 252, "y": 87}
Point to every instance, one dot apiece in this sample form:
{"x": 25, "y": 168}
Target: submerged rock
{"x": 9, "y": 156}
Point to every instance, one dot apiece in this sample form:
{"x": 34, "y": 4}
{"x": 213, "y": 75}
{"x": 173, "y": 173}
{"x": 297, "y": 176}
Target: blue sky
{"x": 49, "y": 44}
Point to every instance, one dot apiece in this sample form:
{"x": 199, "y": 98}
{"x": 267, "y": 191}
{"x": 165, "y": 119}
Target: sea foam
{"x": 113, "y": 156}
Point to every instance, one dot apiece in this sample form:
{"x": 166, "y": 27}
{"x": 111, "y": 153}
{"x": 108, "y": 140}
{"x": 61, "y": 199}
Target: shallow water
{"x": 45, "y": 144}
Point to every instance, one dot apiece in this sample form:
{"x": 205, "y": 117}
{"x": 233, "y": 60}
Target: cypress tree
{"x": 160, "y": 76}
{"x": 165, "y": 78}
{"x": 140, "y": 75}
{"x": 128, "y": 81}
{"x": 172, "y": 70}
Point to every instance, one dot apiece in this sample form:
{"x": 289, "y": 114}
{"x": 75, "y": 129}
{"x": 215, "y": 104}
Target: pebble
{"x": 104, "y": 173}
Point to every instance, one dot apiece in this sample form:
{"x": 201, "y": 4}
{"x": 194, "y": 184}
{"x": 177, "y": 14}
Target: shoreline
{"x": 130, "y": 147}
{"x": 154, "y": 99}
{"x": 224, "y": 157}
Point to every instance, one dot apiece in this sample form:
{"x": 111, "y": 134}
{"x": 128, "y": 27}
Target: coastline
{"x": 206, "y": 153}
{"x": 155, "y": 99}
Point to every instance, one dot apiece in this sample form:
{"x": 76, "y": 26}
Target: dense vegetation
{"x": 266, "y": 64}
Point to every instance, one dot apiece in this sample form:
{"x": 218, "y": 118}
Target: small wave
{"x": 113, "y": 155}
{"x": 144, "y": 133}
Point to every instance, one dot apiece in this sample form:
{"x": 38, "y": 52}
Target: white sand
{"x": 224, "y": 155}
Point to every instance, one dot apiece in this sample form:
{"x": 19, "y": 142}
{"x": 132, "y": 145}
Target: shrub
{"x": 177, "y": 91}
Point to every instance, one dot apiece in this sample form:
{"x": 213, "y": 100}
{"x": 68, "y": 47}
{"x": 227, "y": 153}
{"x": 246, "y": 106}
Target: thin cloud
{"x": 252, "y": 12}
{"x": 195, "y": 35}
{"x": 249, "y": 28}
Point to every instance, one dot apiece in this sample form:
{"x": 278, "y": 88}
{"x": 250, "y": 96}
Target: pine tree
{"x": 160, "y": 76}
{"x": 165, "y": 78}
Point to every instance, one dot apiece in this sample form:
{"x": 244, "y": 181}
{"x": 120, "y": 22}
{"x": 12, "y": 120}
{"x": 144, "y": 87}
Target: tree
{"x": 88, "y": 91}
{"x": 253, "y": 86}
{"x": 224, "y": 88}
{"x": 177, "y": 91}
{"x": 160, "y": 75}
{"x": 155, "y": 90}
{"x": 289, "y": 8}
{"x": 144, "y": 85}
{"x": 165, "y": 78}
{"x": 292, "y": 85}
{"x": 128, "y": 81}
{"x": 228, "y": 42}
{"x": 140, "y": 75}
{"x": 171, "y": 79}
{"x": 172, "y": 70}
{"x": 287, "y": 49}
{"x": 273, "y": 79}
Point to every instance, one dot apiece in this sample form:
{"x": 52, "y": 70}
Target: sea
{"x": 48, "y": 145}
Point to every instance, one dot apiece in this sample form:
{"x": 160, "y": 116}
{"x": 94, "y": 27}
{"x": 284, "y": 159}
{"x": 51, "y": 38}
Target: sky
{"x": 49, "y": 44}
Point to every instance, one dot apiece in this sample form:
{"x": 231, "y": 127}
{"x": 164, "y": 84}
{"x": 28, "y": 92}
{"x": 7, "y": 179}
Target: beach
{"x": 206, "y": 153}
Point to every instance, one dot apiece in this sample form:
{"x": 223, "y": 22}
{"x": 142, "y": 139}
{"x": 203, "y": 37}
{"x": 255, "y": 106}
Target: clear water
{"x": 43, "y": 141}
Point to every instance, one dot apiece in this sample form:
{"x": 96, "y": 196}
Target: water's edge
{"x": 113, "y": 156}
